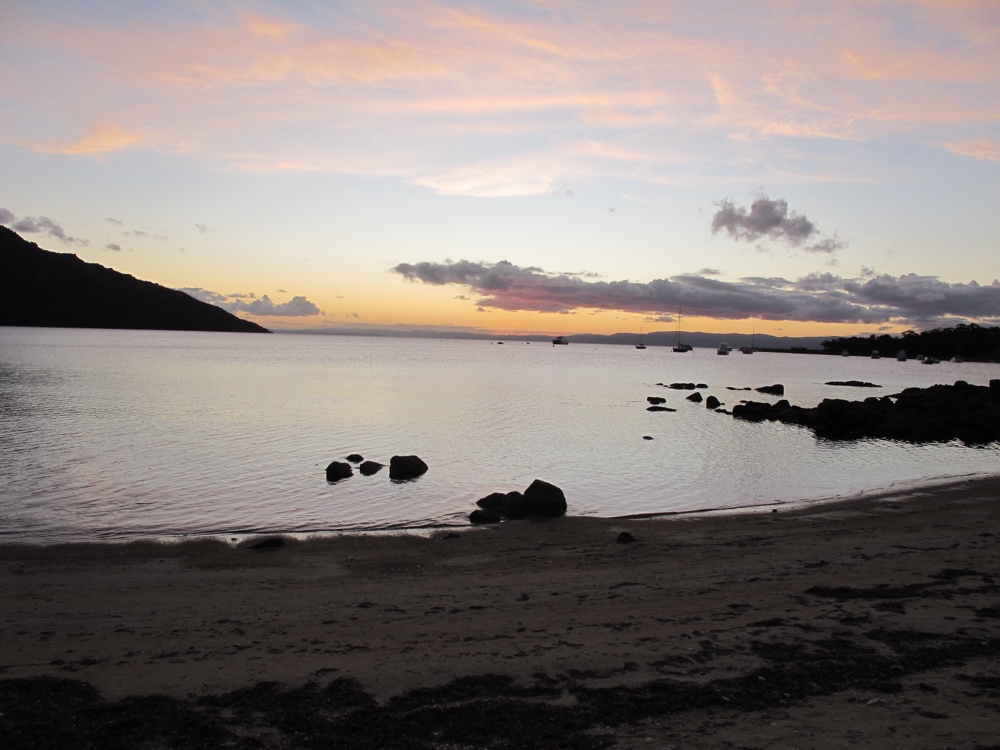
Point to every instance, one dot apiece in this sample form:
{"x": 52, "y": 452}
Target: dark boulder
{"x": 406, "y": 467}
{"x": 338, "y": 470}
{"x": 491, "y": 501}
{"x": 712, "y": 403}
{"x": 659, "y": 408}
{"x": 355, "y": 458}
{"x": 368, "y": 468}
{"x": 647, "y": 437}
{"x": 485, "y": 516}
{"x": 625, "y": 538}
{"x": 731, "y": 388}
{"x": 854, "y": 383}
{"x": 682, "y": 386}
{"x": 656, "y": 399}
{"x": 696, "y": 397}
{"x": 513, "y": 505}
{"x": 544, "y": 499}
{"x": 701, "y": 385}
{"x": 772, "y": 390}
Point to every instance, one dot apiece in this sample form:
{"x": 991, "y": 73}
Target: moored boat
{"x": 723, "y": 348}
{"x": 559, "y": 341}
{"x": 678, "y": 346}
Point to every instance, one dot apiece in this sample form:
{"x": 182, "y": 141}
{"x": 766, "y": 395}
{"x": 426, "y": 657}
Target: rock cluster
{"x": 400, "y": 468}
{"x": 939, "y": 413}
{"x": 541, "y": 499}
{"x": 853, "y": 383}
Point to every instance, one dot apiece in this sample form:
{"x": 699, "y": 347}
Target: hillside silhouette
{"x": 58, "y": 290}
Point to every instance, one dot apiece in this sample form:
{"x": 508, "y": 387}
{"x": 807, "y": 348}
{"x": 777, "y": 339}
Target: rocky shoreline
{"x": 940, "y": 413}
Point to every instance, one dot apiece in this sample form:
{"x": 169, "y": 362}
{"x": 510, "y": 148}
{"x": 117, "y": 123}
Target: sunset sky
{"x": 795, "y": 168}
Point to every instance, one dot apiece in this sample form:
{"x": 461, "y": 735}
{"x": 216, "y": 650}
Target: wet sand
{"x": 873, "y": 621}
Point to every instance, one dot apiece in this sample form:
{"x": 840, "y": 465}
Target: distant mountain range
{"x": 46, "y": 289}
{"x": 657, "y": 338}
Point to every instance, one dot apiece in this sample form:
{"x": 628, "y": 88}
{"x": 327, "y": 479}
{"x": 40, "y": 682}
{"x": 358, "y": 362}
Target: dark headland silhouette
{"x": 58, "y": 290}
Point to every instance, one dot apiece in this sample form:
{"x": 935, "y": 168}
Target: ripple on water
{"x": 118, "y": 433}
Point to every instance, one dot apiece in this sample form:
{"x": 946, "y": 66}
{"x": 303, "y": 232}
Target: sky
{"x": 785, "y": 167}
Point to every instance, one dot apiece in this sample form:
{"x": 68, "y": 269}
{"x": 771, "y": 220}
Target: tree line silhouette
{"x": 966, "y": 340}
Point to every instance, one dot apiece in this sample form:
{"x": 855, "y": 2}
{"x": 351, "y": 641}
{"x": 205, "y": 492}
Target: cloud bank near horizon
{"x": 264, "y": 306}
{"x": 871, "y": 298}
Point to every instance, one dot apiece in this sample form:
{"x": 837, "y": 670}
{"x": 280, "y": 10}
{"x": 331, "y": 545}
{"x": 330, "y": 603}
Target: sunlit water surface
{"x": 123, "y": 434}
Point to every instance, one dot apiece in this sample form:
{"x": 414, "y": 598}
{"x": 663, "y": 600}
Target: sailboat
{"x": 638, "y": 343}
{"x": 678, "y": 346}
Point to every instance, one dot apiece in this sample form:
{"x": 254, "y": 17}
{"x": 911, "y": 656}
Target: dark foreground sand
{"x": 871, "y": 622}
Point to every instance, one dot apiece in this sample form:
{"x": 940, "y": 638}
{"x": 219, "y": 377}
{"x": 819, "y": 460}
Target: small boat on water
{"x": 901, "y": 355}
{"x": 678, "y": 346}
{"x": 845, "y": 353}
{"x": 931, "y": 360}
{"x": 957, "y": 359}
{"x": 559, "y": 341}
{"x": 746, "y": 349}
{"x": 638, "y": 343}
{"x": 723, "y": 348}
{"x": 875, "y": 354}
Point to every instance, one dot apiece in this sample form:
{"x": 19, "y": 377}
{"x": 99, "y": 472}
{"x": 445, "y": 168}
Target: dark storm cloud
{"x": 826, "y": 298}
{"x": 771, "y": 220}
{"x": 40, "y": 224}
{"x": 295, "y": 307}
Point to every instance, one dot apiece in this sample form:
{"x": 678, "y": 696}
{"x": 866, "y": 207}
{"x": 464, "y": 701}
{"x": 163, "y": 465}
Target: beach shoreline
{"x": 711, "y": 603}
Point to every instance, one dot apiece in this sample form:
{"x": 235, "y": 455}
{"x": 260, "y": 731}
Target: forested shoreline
{"x": 966, "y": 341}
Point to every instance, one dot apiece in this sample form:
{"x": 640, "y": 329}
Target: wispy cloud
{"x": 823, "y": 298}
{"x": 554, "y": 92}
{"x": 38, "y": 225}
{"x": 977, "y": 148}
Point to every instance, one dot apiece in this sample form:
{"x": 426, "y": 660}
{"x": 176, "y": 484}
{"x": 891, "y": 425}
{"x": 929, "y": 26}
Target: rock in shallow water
{"x": 368, "y": 468}
{"x": 338, "y": 470}
{"x": 406, "y": 467}
{"x": 544, "y": 499}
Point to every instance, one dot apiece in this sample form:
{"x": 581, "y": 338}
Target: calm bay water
{"x": 123, "y": 434}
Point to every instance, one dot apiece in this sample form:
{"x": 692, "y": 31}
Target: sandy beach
{"x": 872, "y": 621}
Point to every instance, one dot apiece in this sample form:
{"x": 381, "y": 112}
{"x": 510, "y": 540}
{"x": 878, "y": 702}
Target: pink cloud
{"x": 372, "y": 89}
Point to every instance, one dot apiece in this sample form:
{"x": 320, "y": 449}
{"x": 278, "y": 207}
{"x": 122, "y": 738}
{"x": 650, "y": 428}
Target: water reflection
{"x": 108, "y": 433}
